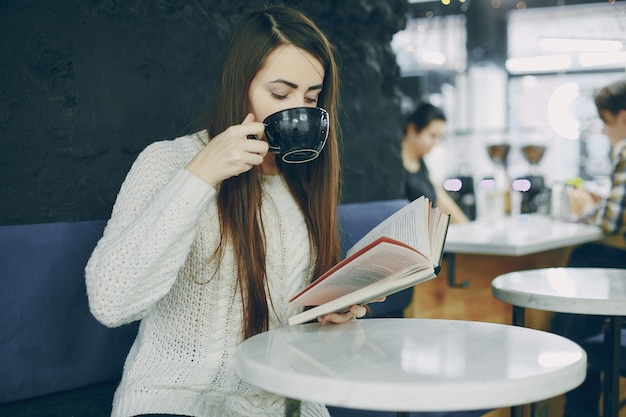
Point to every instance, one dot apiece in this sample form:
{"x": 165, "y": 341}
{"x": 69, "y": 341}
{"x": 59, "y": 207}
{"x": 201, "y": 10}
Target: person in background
{"x": 211, "y": 235}
{"x": 609, "y": 213}
{"x": 423, "y": 130}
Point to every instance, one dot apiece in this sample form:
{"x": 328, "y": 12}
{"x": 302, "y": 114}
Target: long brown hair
{"x": 314, "y": 185}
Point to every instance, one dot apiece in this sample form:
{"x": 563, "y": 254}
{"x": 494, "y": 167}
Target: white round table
{"x": 596, "y": 291}
{"x": 412, "y": 364}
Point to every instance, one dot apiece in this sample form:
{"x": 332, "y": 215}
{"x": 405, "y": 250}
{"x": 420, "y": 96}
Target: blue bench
{"x": 56, "y": 360}
{"x": 49, "y": 341}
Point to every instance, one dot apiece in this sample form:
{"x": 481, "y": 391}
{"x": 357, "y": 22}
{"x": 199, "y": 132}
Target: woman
{"x": 422, "y": 132}
{"x": 211, "y": 235}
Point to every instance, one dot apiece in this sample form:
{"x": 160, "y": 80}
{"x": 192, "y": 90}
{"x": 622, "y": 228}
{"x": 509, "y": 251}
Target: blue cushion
{"x": 355, "y": 220}
{"x": 49, "y": 340}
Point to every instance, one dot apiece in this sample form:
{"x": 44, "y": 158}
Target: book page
{"x": 378, "y": 263}
{"x": 438, "y": 231}
{"x": 404, "y": 249}
{"x": 408, "y": 225}
{"x": 368, "y": 293}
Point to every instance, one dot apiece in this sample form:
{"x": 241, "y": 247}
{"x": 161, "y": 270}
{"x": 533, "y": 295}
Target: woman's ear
{"x": 411, "y": 129}
{"x": 622, "y": 117}
{"x": 620, "y": 120}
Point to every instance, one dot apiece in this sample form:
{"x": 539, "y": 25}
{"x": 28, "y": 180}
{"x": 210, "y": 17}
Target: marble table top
{"x": 517, "y": 236}
{"x": 566, "y": 290}
{"x": 412, "y": 364}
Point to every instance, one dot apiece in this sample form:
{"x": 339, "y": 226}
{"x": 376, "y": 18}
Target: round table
{"x": 597, "y": 291}
{"x": 412, "y": 364}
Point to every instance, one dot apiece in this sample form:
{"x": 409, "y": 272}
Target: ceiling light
{"x": 560, "y": 116}
{"x": 578, "y": 45}
{"x": 536, "y": 64}
{"x": 598, "y": 59}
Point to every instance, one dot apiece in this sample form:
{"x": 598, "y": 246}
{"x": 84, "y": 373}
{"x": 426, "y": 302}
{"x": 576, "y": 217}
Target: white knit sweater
{"x": 153, "y": 264}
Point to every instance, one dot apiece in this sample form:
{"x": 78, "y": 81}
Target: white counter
{"x": 517, "y": 236}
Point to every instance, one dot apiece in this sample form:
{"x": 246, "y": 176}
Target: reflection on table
{"x": 412, "y": 364}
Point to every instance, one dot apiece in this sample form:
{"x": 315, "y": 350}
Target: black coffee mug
{"x": 298, "y": 134}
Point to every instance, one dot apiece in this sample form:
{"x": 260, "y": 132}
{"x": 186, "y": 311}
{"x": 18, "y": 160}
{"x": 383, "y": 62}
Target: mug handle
{"x": 273, "y": 149}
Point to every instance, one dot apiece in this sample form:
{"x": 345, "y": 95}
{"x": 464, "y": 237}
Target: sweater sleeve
{"x": 147, "y": 239}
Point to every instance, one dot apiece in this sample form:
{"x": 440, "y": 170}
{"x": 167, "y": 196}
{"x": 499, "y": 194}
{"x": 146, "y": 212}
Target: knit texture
{"x": 154, "y": 264}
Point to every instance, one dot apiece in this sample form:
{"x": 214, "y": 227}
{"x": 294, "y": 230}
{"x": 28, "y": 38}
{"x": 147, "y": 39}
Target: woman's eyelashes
{"x": 311, "y": 100}
{"x": 308, "y": 100}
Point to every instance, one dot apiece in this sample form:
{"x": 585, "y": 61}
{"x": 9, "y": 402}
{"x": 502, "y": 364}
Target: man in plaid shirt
{"x": 610, "y": 214}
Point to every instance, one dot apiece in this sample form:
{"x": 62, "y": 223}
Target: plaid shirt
{"x": 610, "y": 215}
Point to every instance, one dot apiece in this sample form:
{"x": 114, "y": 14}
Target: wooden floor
{"x": 436, "y": 299}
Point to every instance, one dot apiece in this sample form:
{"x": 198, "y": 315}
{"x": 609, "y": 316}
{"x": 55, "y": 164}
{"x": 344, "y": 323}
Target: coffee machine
{"x": 535, "y": 195}
{"x": 461, "y": 189}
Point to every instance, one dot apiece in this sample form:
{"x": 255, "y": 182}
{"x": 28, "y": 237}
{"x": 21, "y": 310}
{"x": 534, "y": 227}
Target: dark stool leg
{"x": 292, "y": 407}
{"x": 450, "y": 257}
{"x": 610, "y": 386}
{"x": 518, "y": 316}
{"x": 518, "y": 320}
{"x": 540, "y": 409}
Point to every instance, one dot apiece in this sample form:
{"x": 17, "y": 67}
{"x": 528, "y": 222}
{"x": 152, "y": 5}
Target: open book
{"x": 403, "y": 250}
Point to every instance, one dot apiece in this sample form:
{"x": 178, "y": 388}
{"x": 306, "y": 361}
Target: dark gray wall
{"x": 86, "y": 85}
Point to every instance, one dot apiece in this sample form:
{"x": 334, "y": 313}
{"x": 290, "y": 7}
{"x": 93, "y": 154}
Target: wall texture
{"x": 86, "y": 85}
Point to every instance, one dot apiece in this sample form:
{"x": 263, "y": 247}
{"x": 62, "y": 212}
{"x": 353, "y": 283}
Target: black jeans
{"x": 584, "y": 400}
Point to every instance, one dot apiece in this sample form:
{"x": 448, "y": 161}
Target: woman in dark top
{"x": 418, "y": 183}
{"x": 423, "y": 131}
